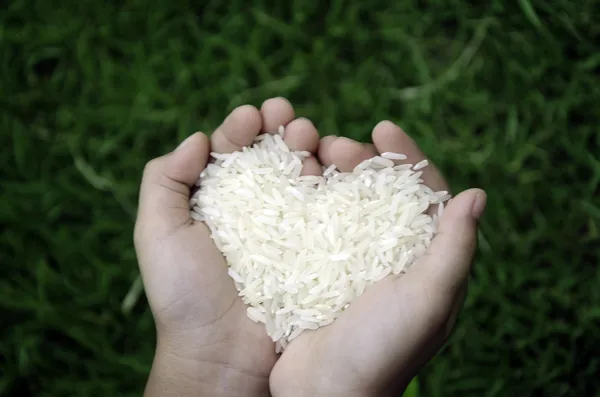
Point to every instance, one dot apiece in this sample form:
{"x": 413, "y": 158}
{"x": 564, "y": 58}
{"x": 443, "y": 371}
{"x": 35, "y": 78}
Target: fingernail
{"x": 185, "y": 141}
{"x": 479, "y": 205}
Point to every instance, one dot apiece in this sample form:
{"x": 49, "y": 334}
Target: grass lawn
{"x": 504, "y": 95}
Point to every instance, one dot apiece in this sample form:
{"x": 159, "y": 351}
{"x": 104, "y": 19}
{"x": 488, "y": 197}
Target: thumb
{"x": 448, "y": 261}
{"x": 439, "y": 279}
{"x": 167, "y": 183}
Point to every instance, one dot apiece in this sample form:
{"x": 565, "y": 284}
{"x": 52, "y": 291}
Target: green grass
{"x": 502, "y": 95}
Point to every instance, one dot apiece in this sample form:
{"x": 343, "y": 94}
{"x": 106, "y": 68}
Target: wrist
{"x": 184, "y": 370}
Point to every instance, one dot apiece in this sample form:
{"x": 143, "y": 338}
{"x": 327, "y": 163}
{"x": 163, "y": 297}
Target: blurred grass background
{"x": 501, "y": 94}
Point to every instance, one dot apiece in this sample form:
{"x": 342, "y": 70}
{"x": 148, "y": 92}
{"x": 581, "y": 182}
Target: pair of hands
{"x": 206, "y": 345}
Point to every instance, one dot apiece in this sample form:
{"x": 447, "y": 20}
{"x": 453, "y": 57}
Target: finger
{"x": 388, "y": 137}
{"x": 311, "y": 166}
{"x": 324, "y": 149}
{"x": 346, "y": 153}
{"x": 165, "y": 189}
{"x": 276, "y": 112}
{"x": 238, "y": 130}
{"x": 445, "y": 267}
{"x": 301, "y": 134}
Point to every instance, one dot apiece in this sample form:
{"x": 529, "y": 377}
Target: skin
{"x": 207, "y": 345}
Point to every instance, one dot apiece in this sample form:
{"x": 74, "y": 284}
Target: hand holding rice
{"x": 300, "y": 249}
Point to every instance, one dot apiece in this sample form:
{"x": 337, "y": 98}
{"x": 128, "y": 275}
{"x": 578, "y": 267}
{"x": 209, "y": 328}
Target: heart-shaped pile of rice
{"x": 301, "y": 248}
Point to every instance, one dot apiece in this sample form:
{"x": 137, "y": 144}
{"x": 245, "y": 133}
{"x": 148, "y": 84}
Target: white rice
{"x": 329, "y": 170}
{"x": 421, "y": 164}
{"x": 382, "y": 161}
{"x": 301, "y": 248}
{"x": 393, "y": 156}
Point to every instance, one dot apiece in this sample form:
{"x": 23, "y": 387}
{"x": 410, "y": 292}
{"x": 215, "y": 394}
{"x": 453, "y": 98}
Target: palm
{"x": 356, "y": 352}
{"x": 194, "y": 293}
